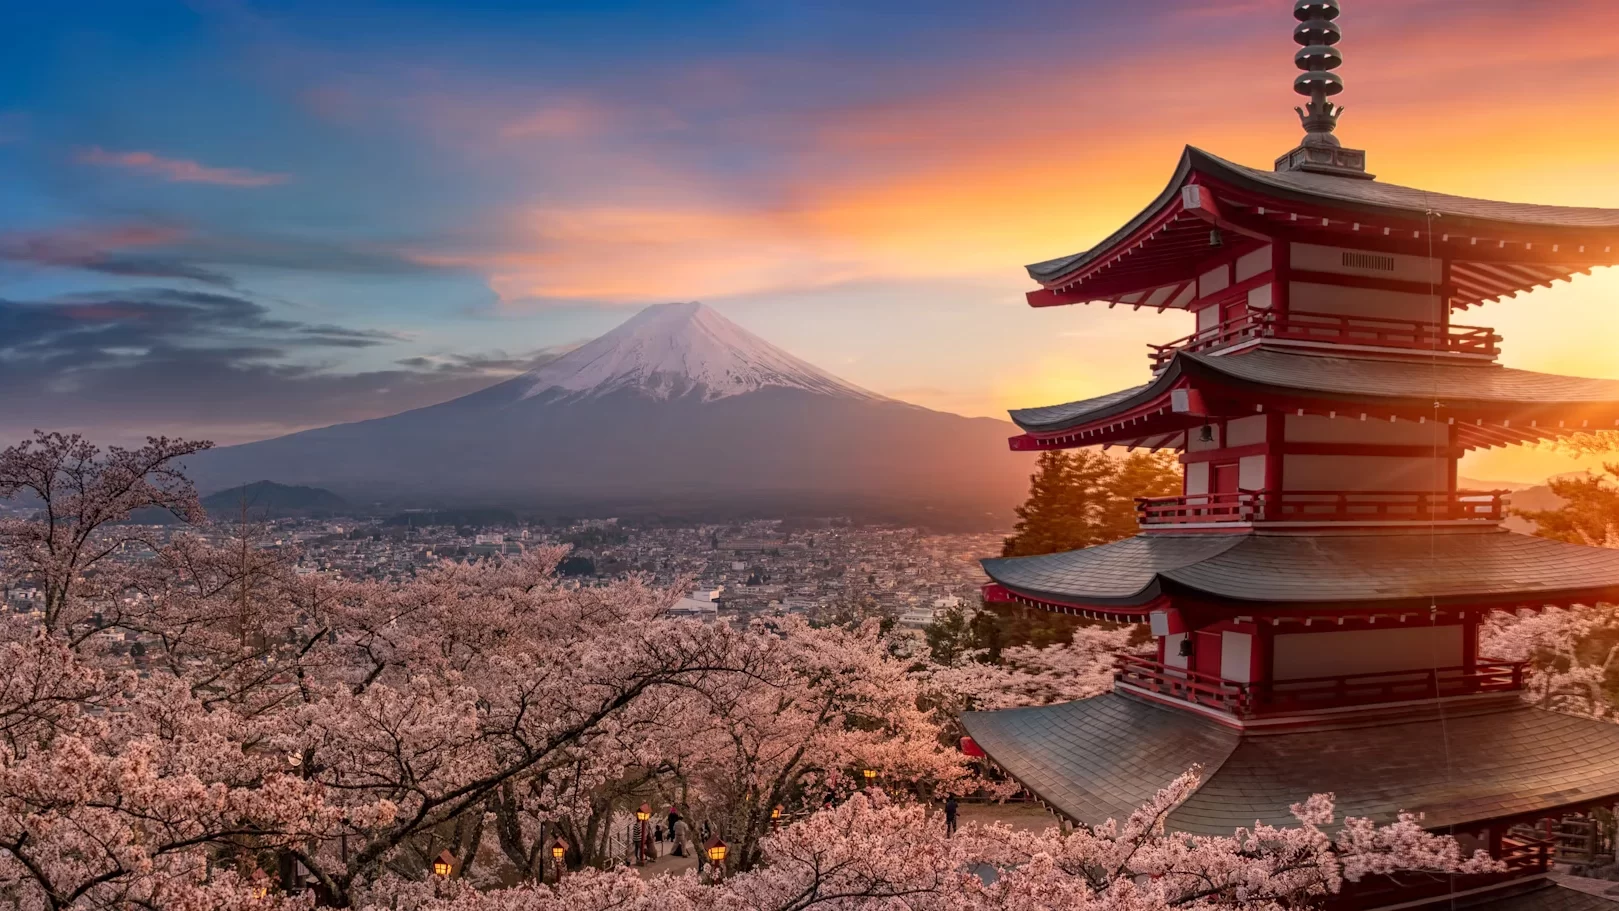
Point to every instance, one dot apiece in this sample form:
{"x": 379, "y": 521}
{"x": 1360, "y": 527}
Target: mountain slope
{"x": 676, "y": 409}
{"x": 267, "y": 498}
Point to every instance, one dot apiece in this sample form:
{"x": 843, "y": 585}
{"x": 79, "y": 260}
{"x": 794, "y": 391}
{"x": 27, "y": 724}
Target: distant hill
{"x": 1476, "y": 484}
{"x": 267, "y": 499}
{"x": 1538, "y": 498}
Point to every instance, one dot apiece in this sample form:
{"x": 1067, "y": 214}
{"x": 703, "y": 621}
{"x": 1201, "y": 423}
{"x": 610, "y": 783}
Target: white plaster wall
{"x": 1252, "y": 264}
{"x": 1298, "y": 655}
{"x": 1337, "y": 300}
{"x": 1338, "y": 472}
{"x": 1318, "y": 258}
{"x": 1349, "y": 428}
{"x": 1251, "y": 473}
{"x": 1259, "y": 298}
{"x": 1236, "y": 656}
{"x": 1208, "y": 318}
{"x": 1197, "y": 478}
{"x": 1246, "y": 431}
{"x": 1214, "y": 280}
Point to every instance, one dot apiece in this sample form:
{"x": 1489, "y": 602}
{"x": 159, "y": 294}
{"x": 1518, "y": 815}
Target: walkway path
{"x": 1024, "y": 817}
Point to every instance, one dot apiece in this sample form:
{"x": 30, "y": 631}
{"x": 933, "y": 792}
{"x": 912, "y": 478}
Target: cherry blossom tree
{"x": 822, "y": 705}
{"x": 83, "y": 493}
{"x": 869, "y": 852}
{"x": 1028, "y": 675}
{"x": 191, "y": 724}
{"x": 1573, "y": 654}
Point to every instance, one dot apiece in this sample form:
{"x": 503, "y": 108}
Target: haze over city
{"x": 234, "y": 220}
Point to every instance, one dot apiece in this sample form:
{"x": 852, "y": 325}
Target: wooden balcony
{"x": 1273, "y": 697}
{"x": 1322, "y": 506}
{"x": 1303, "y": 326}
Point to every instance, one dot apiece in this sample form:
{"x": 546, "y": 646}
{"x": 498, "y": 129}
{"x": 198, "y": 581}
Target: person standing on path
{"x": 950, "y": 808}
{"x": 682, "y": 838}
{"x": 674, "y": 833}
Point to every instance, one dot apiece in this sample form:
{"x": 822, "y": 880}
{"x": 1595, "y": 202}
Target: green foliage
{"x": 950, "y": 635}
{"x": 1085, "y": 497}
{"x": 993, "y": 628}
{"x": 1590, "y": 514}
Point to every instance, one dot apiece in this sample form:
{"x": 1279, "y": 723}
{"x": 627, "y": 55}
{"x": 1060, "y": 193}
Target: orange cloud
{"x": 179, "y": 170}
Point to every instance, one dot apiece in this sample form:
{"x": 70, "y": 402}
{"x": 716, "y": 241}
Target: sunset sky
{"x": 237, "y": 219}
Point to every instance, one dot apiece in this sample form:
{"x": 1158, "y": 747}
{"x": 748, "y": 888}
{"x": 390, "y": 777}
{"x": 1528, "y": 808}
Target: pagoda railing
{"x": 1322, "y": 506}
{"x": 1270, "y": 697}
{"x": 1306, "y": 326}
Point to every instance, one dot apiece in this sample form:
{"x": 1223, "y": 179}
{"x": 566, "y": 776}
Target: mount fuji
{"x": 676, "y": 409}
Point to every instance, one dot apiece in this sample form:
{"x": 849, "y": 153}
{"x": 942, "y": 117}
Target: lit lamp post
{"x": 643, "y": 835}
{"x": 559, "y": 852}
{"x": 775, "y": 818}
{"x": 871, "y": 776}
{"x": 716, "y": 856}
{"x": 443, "y": 866}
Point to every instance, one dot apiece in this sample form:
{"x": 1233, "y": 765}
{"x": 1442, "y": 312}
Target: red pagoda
{"x": 1315, "y": 593}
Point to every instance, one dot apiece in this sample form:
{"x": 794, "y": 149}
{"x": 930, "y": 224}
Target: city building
{"x": 701, "y": 605}
{"x": 1315, "y": 592}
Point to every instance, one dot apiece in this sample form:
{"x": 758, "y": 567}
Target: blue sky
{"x": 235, "y": 219}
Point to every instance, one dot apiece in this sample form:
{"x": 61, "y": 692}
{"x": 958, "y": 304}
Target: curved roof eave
{"x": 1462, "y": 214}
{"x": 1055, "y": 268}
{"x": 1320, "y": 377}
{"x": 1098, "y": 407}
{"x": 1484, "y": 568}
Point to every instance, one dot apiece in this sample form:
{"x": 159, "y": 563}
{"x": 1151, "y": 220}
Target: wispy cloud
{"x": 179, "y": 170}
{"x": 201, "y": 254}
{"x": 106, "y": 249}
{"x": 135, "y": 361}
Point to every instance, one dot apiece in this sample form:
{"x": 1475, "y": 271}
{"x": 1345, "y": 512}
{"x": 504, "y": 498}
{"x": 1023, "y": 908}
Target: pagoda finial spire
{"x": 1318, "y": 33}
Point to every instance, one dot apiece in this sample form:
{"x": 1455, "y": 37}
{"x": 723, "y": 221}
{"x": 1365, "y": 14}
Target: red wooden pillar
{"x": 1470, "y": 642}
{"x": 1275, "y": 446}
{"x": 1259, "y": 673}
{"x": 1452, "y": 447}
{"x": 1281, "y": 266}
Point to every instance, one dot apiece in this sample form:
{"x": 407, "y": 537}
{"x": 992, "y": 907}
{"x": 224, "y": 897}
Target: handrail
{"x": 1323, "y": 505}
{"x": 1306, "y": 325}
{"x": 1272, "y": 696}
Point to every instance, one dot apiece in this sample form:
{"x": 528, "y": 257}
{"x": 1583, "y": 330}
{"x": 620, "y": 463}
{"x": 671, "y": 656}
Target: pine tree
{"x": 1084, "y": 497}
{"x": 1589, "y": 514}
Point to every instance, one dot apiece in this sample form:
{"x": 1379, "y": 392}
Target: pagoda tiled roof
{"x": 1289, "y": 571}
{"x": 1459, "y": 386}
{"x": 1543, "y": 896}
{"x": 1100, "y": 758}
{"x": 1372, "y": 198}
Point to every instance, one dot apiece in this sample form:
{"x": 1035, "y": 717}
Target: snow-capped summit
{"x": 675, "y": 350}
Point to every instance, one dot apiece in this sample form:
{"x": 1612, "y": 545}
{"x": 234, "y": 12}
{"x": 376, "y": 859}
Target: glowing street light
{"x": 716, "y": 856}
{"x": 559, "y": 850}
{"x": 643, "y": 834}
{"x": 871, "y": 776}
